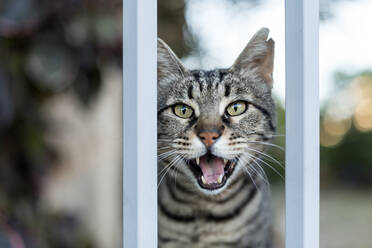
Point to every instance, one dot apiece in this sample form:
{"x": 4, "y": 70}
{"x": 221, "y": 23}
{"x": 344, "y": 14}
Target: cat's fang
{"x": 219, "y": 180}
{"x": 203, "y": 180}
{"x": 197, "y": 161}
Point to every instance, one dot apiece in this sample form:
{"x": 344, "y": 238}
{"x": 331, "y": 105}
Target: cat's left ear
{"x": 257, "y": 57}
{"x": 170, "y": 67}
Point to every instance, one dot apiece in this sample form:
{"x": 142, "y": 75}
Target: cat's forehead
{"x": 224, "y": 83}
{"x": 208, "y": 88}
{"x": 199, "y": 86}
{"x": 209, "y": 77}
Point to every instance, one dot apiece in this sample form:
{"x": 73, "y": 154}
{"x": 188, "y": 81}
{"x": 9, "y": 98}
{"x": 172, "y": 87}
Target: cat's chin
{"x": 212, "y": 172}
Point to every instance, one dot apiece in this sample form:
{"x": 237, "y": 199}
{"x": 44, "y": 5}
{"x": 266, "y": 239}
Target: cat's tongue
{"x": 212, "y": 168}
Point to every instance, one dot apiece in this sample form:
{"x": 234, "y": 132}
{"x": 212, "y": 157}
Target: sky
{"x": 223, "y": 29}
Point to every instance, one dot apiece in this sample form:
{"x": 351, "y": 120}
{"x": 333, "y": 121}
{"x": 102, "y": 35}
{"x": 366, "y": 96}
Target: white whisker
{"x": 266, "y": 155}
{"x": 169, "y": 166}
{"x": 276, "y": 171}
{"x": 175, "y": 172}
{"x": 268, "y": 144}
{"x": 257, "y": 172}
{"x": 164, "y": 147}
{"x": 249, "y": 174}
{"x": 166, "y": 154}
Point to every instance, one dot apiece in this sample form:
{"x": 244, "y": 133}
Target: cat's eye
{"x": 183, "y": 111}
{"x": 236, "y": 108}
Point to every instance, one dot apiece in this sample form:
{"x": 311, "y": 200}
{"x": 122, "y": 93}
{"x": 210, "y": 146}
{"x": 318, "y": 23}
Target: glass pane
{"x": 60, "y": 123}
{"x": 217, "y": 138}
{"x": 345, "y": 125}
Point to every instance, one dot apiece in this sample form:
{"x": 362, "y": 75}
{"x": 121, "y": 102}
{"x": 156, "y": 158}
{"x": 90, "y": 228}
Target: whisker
{"x": 267, "y": 135}
{"x": 268, "y": 144}
{"x": 165, "y": 157}
{"x": 257, "y": 172}
{"x": 178, "y": 157}
{"x": 175, "y": 173}
{"x": 266, "y": 155}
{"x": 166, "y": 171}
{"x": 276, "y": 171}
{"x": 252, "y": 167}
{"x": 167, "y": 165}
{"x": 165, "y": 140}
{"x": 176, "y": 162}
{"x": 253, "y": 181}
{"x": 166, "y": 154}
{"x": 249, "y": 174}
{"x": 164, "y": 147}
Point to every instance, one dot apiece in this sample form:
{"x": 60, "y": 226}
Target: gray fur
{"x": 238, "y": 214}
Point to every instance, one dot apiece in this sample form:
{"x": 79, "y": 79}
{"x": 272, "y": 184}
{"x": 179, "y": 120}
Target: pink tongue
{"x": 212, "y": 168}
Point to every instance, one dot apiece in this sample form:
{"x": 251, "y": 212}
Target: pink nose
{"x": 208, "y": 138}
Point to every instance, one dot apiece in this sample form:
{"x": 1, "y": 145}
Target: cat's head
{"x": 213, "y": 124}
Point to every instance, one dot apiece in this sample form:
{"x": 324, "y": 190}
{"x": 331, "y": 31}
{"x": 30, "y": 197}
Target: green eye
{"x": 183, "y": 111}
{"x": 236, "y": 108}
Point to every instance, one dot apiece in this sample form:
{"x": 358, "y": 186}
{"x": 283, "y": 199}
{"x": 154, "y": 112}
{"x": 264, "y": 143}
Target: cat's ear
{"x": 257, "y": 57}
{"x": 169, "y": 65}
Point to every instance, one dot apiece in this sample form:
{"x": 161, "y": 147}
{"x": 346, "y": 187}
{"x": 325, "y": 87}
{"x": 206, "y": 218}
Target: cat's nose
{"x": 209, "y": 137}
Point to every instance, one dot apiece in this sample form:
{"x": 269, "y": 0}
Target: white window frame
{"x": 302, "y": 123}
{"x": 140, "y": 124}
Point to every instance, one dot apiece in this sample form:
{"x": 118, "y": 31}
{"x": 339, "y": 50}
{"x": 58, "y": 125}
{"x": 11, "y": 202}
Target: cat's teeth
{"x": 197, "y": 161}
{"x": 203, "y": 180}
{"x": 225, "y": 161}
{"x": 219, "y": 180}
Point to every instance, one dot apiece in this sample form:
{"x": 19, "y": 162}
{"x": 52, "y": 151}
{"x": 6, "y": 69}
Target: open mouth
{"x": 211, "y": 171}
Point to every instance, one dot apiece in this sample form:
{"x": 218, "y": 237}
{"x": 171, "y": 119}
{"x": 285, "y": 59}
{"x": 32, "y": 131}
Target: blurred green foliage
{"x": 348, "y": 161}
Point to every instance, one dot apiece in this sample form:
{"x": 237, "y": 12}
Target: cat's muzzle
{"x": 212, "y": 172}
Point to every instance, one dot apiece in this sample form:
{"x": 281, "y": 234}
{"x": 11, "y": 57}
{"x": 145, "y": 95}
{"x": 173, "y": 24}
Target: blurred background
{"x": 60, "y": 111}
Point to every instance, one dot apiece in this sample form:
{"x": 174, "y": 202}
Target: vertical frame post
{"x": 302, "y": 123}
{"x": 139, "y": 124}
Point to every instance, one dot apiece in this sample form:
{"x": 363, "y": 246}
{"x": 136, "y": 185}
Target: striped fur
{"x": 237, "y": 214}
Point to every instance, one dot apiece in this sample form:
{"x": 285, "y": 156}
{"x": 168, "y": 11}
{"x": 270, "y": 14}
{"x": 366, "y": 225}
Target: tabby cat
{"x": 213, "y": 127}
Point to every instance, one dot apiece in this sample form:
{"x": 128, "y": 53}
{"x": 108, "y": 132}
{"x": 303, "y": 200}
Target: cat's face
{"x": 212, "y": 124}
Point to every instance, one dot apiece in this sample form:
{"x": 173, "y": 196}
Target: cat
{"x": 212, "y": 128}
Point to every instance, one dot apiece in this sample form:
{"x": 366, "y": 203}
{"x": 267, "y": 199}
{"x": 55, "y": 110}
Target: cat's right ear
{"x": 257, "y": 57}
{"x": 170, "y": 67}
